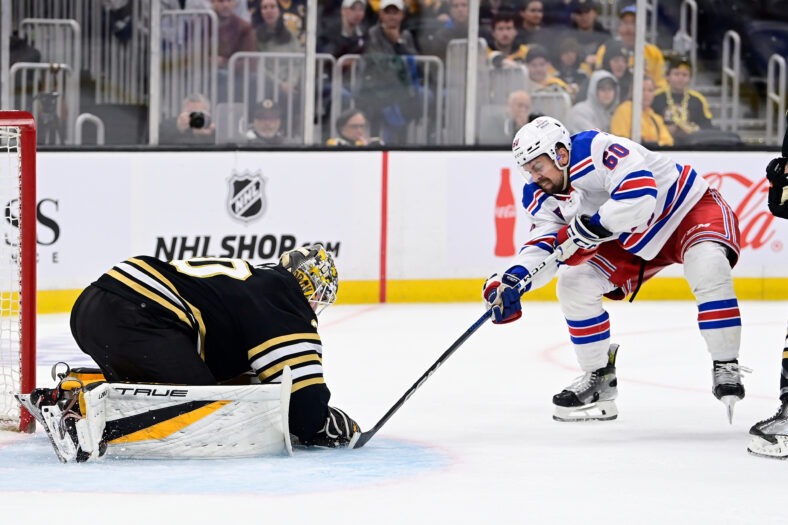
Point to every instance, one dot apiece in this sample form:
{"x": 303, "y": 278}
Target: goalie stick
{"x": 360, "y": 439}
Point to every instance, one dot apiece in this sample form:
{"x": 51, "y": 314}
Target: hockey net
{"x": 17, "y": 266}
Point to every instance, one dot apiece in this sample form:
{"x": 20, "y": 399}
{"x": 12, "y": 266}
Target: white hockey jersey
{"x": 638, "y": 194}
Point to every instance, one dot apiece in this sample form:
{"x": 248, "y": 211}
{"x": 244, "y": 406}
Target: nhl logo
{"x": 246, "y": 198}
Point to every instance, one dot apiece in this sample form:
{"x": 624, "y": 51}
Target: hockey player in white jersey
{"x": 619, "y": 213}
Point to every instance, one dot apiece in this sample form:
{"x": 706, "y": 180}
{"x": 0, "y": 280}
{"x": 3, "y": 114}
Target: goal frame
{"x": 27, "y": 253}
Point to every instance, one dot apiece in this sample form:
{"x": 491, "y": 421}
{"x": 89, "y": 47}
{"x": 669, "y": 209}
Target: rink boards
{"x": 405, "y": 226}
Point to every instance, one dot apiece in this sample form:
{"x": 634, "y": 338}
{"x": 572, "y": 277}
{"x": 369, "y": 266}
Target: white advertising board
{"x": 96, "y": 209}
{"x": 444, "y": 222}
{"x": 447, "y": 216}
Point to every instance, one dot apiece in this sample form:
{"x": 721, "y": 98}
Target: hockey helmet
{"x": 314, "y": 268}
{"x": 540, "y": 136}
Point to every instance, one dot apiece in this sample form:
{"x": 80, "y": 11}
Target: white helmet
{"x": 541, "y": 135}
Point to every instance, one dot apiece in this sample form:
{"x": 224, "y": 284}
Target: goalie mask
{"x": 314, "y": 268}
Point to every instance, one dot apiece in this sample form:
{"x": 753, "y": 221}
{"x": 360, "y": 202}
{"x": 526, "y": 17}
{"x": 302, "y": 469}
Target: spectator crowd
{"x": 559, "y": 46}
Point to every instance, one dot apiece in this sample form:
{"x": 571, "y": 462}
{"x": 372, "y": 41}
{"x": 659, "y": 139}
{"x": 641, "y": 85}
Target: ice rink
{"x": 476, "y": 444}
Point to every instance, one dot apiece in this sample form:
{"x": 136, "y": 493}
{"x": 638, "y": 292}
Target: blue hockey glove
{"x": 502, "y": 297}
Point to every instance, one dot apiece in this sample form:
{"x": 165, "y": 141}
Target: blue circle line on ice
{"x": 25, "y": 463}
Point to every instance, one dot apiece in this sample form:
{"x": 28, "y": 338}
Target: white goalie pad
{"x": 154, "y": 421}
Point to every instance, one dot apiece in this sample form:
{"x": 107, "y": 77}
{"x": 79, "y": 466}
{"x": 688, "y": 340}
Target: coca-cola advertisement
{"x": 505, "y": 217}
{"x": 739, "y": 178}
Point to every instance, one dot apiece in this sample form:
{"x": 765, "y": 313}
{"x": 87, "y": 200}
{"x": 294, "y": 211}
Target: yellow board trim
{"x": 303, "y": 384}
{"x": 268, "y": 372}
{"x": 171, "y": 426}
{"x": 785, "y": 354}
{"x": 150, "y": 295}
{"x": 469, "y": 290}
{"x": 259, "y": 349}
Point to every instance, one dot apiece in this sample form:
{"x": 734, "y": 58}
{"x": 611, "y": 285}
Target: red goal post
{"x": 17, "y": 266}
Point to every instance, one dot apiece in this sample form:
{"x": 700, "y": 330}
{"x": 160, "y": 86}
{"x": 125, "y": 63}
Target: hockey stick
{"x": 359, "y": 439}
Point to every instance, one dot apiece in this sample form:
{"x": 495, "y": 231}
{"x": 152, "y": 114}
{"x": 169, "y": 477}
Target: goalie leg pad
{"x": 173, "y": 422}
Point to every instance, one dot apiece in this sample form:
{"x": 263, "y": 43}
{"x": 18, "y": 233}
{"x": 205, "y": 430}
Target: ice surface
{"x": 476, "y": 444}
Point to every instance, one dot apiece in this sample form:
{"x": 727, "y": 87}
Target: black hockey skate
{"x": 769, "y": 438}
{"x": 727, "y": 385}
{"x": 591, "y": 397}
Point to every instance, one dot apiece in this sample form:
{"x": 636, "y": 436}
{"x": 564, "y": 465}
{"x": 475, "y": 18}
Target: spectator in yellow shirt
{"x": 541, "y": 72}
{"x": 653, "y": 130}
{"x": 655, "y": 61}
{"x": 504, "y": 51}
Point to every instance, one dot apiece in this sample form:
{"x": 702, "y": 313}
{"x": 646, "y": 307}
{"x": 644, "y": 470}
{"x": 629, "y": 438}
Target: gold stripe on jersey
{"x": 153, "y": 296}
{"x": 259, "y": 349}
{"x": 195, "y": 311}
{"x": 308, "y": 382}
{"x": 291, "y": 362}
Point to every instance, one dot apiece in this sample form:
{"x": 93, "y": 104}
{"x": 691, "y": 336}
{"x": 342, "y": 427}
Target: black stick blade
{"x": 360, "y": 439}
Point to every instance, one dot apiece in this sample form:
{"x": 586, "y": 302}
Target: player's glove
{"x": 337, "y": 430}
{"x": 585, "y": 234}
{"x": 501, "y": 295}
{"x": 778, "y": 187}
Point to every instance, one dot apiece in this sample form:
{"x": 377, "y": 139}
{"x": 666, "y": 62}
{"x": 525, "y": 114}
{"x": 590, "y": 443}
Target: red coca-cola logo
{"x": 755, "y": 220}
{"x": 506, "y": 212}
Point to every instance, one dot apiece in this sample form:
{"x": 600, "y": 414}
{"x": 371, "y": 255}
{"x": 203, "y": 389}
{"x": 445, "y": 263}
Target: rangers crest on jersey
{"x": 246, "y": 198}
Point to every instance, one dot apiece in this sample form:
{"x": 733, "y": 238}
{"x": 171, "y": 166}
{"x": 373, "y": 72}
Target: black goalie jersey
{"x": 243, "y": 317}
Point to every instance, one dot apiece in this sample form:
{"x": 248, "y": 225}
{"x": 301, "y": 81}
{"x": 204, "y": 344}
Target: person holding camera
{"x": 192, "y": 126}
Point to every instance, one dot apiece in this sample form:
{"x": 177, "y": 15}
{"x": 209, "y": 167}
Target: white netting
{"x": 10, "y": 326}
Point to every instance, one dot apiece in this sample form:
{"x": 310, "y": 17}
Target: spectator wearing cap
{"x": 387, "y": 36}
{"x": 653, "y": 130}
{"x": 266, "y": 125}
{"x": 352, "y": 131}
{"x": 389, "y": 78}
{"x": 541, "y": 71}
{"x": 684, "y": 110}
{"x": 569, "y": 65}
{"x": 616, "y": 61}
{"x": 344, "y": 35}
{"x": 587, "y": 30}
{"x": 598, "y": 107}
{"x": 503, "y": 50}
{"x": 235, "y": 34}
{"x": 655, "y": 61}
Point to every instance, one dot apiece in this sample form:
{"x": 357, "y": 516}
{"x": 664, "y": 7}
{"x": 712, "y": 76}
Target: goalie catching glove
{"x": 585, "y": 235}
{"x": 778, "y": 187}
{"x": 337, "y": 430}
{"x": 501, "y": 295}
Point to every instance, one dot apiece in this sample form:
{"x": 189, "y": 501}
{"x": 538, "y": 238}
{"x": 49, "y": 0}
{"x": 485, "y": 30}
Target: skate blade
{"x": 599, "y": 411}
{"x": 764, "y": 449}
{"x": 729, "y": 402}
